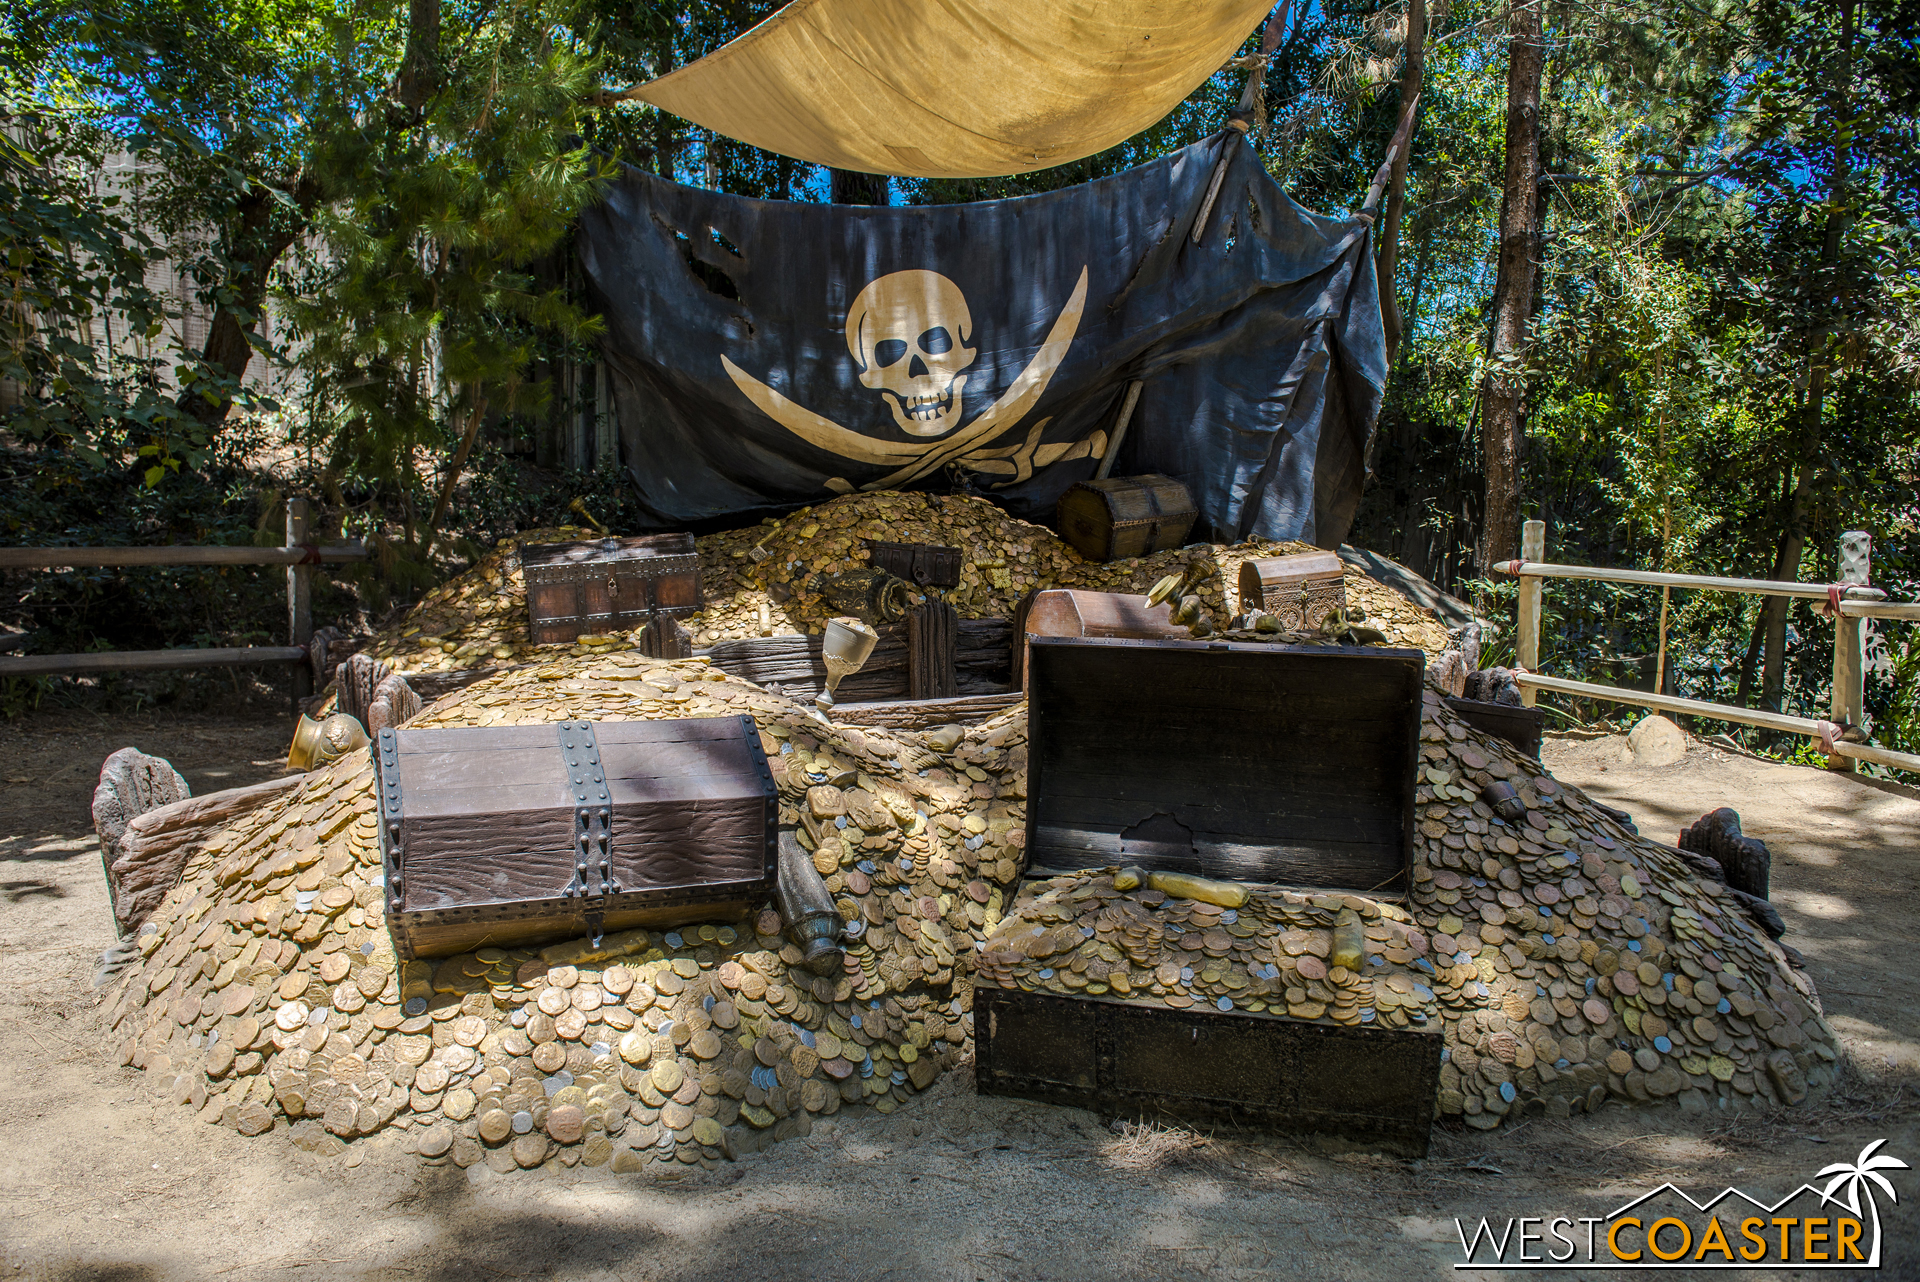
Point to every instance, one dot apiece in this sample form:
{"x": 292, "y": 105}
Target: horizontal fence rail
{"x": 91, "y": 558}
{"x": 47, "y": 665}
{"x": 1851, "y": 602}
{"x": 1718, "y": 712}
{"x": 299, "y": 555}
{"x": 1709, "y": 582}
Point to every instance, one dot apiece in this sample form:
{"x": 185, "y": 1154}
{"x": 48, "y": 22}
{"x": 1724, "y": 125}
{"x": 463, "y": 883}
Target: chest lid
{"x": 645, "y": 547}
{"x": 502, "y": 814}
{"x": 1292, "y": 765}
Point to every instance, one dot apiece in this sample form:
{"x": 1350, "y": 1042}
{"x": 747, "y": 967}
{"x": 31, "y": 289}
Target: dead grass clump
{"x": 1153, "y": 1146}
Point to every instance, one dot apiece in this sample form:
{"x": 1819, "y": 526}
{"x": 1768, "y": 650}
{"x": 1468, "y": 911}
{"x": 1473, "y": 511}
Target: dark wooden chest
{"x": 1125, "y": 516}
{"x": 1275, "y": 764}
{"x": 1299, "y": 590}
{"x": 518, "y": 834}
{"x": 927, "y": 564}
{"x": 608, "y": 585}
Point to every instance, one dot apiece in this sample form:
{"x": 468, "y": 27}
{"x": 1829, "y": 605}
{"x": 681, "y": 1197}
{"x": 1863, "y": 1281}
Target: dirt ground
{"x": 101, "y": 1179}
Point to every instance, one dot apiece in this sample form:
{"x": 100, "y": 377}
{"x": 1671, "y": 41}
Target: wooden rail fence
{"x": 299, "y": 555}
{"x": 1852, "y": 601}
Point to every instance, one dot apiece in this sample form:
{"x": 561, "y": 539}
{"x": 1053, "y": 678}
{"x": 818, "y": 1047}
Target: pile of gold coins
{"x": 1566, "y": 960}
{"x": 757, "y": 580}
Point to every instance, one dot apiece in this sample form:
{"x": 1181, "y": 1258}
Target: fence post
{"x": 299, "y": 599}
{"x": 1533, "y": 547}
{"x": 1848, "y": 703}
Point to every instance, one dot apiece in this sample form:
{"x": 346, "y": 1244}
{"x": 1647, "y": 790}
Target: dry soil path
{"x": 99, "y": 1179}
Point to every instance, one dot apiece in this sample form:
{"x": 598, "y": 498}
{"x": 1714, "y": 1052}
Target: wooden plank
{"x": 33, "y": 665}
{"x": 925, "y": 714}
{"x": 1367, "y": 1087}
{"x": 61, "y": 558}
{"x": 1529, "y": 569}
{"x": 1719, "y": 712}
{"x": 933, "y": 635}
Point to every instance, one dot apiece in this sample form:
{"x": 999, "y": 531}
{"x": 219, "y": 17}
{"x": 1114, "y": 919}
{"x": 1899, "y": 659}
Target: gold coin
{"x": 548, "y": 1057}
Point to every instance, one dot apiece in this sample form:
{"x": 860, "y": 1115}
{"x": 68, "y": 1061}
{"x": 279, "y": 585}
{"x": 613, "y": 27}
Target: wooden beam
{"x": 1657, "y": 578}
{"x": 924, "y": 714}
{"x": 35, "y": 665}
{"x": 92, "y": 558}
{"x": 1716, "y": 712}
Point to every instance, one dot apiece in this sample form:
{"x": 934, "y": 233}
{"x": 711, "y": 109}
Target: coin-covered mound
{"x": 479, "y": 619}
{"x": 1567, "y": 959}
{"x": 270, "y": 997}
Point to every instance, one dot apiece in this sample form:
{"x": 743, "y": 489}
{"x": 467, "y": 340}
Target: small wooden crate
{"x": 1300, "y": 590}
{"x": 607, "y": 585}
{"x": 1520, "y": 727}
{"x": 508, "y": 835}
{"x": 1269, "y": 763}
{"x": 927, "y": 564}
{"x": 1125, "y": 516}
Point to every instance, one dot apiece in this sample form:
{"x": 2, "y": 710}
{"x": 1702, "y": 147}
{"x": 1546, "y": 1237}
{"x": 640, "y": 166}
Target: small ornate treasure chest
{"x": 1125, "y": 516}
{"x": 1300, "y": 590}
{"x": 927, "y": 565}
{"x": 608, "y": 585}
{"x": 508, "y": 835}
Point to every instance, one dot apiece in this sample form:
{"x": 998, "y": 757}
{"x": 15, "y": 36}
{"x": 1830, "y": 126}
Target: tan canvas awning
{"x": 956, "y": 88}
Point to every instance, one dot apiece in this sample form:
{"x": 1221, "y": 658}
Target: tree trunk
{"x": 1387, "y": 256}
{"x": 1819, "y": 347}
{"x": 258, "y": 241}
{"x": 851, "y": 187}
{"x": 420, "y": 69}
{"x": 1505, "y": 383}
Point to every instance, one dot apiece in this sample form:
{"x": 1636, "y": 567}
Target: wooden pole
{"x": 299, "y": 599}
{"x": 1533, "y": 546}
{"x": 1848, "y": 703}
{"x": 1119, "y": 431}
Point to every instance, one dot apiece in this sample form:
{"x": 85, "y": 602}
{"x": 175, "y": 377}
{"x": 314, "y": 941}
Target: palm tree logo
{"x": 1856, "y": 1176}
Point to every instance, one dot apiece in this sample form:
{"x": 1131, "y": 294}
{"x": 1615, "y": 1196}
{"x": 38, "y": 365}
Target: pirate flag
{"x": 770, "y": 353}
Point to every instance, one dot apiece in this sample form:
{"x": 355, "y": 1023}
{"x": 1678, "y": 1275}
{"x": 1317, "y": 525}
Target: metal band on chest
{"x": 389, "y": 750}
{"x": 592, "y": 824}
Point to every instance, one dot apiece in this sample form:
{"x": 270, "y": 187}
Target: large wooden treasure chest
{"x": 1300, "y": 590}
{"x": 607, "y": 585}
{"x": 1260, "y": 763}
{"x": 1123, "y": 516}
{"x": 509, "y": 835}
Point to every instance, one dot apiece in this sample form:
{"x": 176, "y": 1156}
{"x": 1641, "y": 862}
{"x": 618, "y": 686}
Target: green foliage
{"x": 427, "y": 304}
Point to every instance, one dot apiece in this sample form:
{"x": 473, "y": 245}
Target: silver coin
{"x": 317, "y": 1016}
{"x": 558, "y": 1082}
{"x": 519, "y": 1017}
{"x": 522, "y": 1122}
{"x": 414, "y": 1006}
{"x": 602, "y": 1049}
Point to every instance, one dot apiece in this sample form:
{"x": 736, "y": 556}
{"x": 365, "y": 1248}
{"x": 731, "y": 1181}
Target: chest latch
{"x": 593, "y": 881}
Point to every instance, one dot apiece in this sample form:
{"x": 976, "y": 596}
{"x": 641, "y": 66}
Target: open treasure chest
{"x": 509, "y": 835}
{"x": 1217, "y": 833}
{"x": 607, "y": 585}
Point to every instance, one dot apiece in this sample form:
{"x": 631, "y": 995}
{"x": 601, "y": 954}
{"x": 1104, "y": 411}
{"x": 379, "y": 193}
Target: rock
{"x": 131, "y": 784}
{"x": 1761, "y": 911}
{"x": 1746, "y": 862}
{"x": 1656, "y": 741}
{"x": 1788, "y": 1080}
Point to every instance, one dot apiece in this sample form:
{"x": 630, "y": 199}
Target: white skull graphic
{"x": 909, "y": 331}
